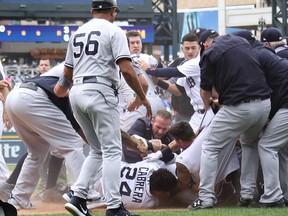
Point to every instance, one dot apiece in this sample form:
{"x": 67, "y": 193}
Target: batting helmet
{"x": 104, "y": 5}
{"x": 7, "y": 209}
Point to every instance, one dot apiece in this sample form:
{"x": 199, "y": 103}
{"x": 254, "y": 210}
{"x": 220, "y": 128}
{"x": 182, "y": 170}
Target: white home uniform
{"x": 134, "y": 183}
{"x": 191, "y": 158}
{"x": 191, "y": 83}
{"x": 152, "y": 95}
{"x": 4, "y": 171}
{"x": 126, "y": 96}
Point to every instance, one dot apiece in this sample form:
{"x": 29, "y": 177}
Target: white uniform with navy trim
{"x": 191, "y": 84}
{"x": 134, "y": 186}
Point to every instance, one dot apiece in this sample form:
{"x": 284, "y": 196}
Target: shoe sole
{"x": 73, "y": 210}
{"x": 199, "y": 207}
{"x": 141, "y": 145}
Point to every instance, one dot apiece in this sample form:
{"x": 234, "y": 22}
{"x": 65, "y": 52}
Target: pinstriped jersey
{"x": 95, "y": 48}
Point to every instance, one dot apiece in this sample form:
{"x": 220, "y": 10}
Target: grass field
{"x": 208, "y": 212}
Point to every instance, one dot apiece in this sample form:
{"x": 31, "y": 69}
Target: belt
{"x": 256, "y": 99}
{"x": 201, "y": 111}
{"x": 93, "y": 79}
{"x": 29, "y": 85}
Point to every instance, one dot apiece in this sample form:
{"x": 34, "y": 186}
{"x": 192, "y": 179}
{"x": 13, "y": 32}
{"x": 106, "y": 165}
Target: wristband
{"x": 163, "y": 85}
{"x": 150, "y": 146}
{"x": 63, "y": 82}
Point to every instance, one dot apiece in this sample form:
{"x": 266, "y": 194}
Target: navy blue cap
{"x": 245, "y": 34}
{"x": 198, "y": 31}
{"x": 205, "y": 35}
{"x": 271, "y": 34}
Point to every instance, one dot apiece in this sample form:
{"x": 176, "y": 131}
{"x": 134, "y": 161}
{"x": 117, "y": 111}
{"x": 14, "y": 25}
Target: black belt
{"x": 94, "y": 79}
{"x": 256, "y": 99}
{"x": 29, "y": 85}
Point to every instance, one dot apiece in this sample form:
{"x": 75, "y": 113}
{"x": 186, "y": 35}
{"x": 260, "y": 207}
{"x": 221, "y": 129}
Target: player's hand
{"x": 143, "y": 64}
{"x": 6, "y": 120}
{"x": 134, "y": 105}
{"x": 153, "y": 156}
{"x": 157, "y": 144}
{"x": 146, "y": 103}
{"x": 5, "y": 83}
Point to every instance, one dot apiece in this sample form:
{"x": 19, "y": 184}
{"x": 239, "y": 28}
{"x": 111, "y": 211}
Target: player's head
{"x": 246, "y": 35}
{"x": 182, "y": 133}
{"x": 108, "y": 7}
{"x": 207, "y": 38}
{"x": 272, "y": 37}
{"x": 190, "y": 46}
{"x": 44, "y": 65}
{"x": 134, "y": 41}
{"x": 160, "y": 123}
{"x": 162, "y": 182}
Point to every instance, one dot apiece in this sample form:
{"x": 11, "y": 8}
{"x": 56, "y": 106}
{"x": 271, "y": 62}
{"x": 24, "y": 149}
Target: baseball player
{"x": 42, "y": 121}
{"x": 142, "y": 184}
{"x": 244, "y": 94}
{"x": 189, "y": 77}
{"x": 95, "y": 53}
{"x": 128, "y": 104}
{"x": 272, "y": 146}
{"x": 135, "y": 47}
{"x": 5, "y": 87}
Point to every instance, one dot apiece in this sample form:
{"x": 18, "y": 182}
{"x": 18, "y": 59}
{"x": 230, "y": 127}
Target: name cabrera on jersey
{"x": 191, "y": 81}
{"x": 135, "y": 187}
{"x": 95, "y": 48}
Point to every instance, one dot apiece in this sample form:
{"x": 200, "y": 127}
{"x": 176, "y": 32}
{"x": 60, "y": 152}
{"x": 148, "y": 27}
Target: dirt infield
{"x": 49, "y": 208}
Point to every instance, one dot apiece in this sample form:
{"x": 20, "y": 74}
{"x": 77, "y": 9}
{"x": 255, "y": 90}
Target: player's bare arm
{"x": 130, "y": 76}
{"x": 61, "y": 89}
{"x": 136, "y": 103}
{"x": 5, "y": 88}
{"x": 206, "y": 97}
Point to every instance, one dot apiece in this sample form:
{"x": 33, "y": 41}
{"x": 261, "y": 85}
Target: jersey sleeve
{"x": 190, "y": 68}
{"x": 119, "y": 45}
{"x": 69, "y": 53}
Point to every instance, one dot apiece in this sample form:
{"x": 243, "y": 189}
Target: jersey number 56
{"x": 91, "y": 45}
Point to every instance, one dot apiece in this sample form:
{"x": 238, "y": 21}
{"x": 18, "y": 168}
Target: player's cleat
{"x": 244, "y": 202}
{"x": 278, "y": 204}
{"x": 142, "y": 144}
{"x": 5, "y": 191}
{"x": 198, "y": 204}
{"x": 77, "y": 207}
{"x": 121, "y": 211}
{"x": 95, "y": 203}
{"x": 13, "y": 202}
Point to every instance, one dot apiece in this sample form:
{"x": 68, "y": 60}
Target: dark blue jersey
{"x": 231, "y": 66}
{"x": 276, "y": 72}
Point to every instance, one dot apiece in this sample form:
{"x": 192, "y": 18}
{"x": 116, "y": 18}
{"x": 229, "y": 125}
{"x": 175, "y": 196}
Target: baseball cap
{"x": 271, "y": 34}
{"x": 205, "y": 35}
{"x": 198, "y": 31}
{"x": 104, "y": 4}
{"x": 244, "y": 34}
{"x": 7, "y": 209}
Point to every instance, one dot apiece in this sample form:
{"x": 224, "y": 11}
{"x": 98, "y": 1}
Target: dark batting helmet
{"x": 104, "y": 5}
